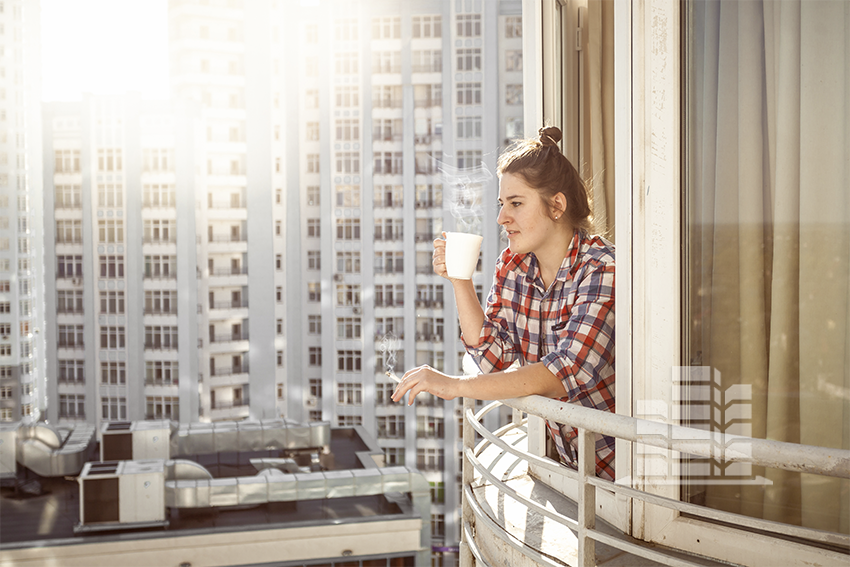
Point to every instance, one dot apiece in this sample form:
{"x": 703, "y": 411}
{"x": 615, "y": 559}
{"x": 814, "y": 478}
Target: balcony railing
{"x": 761, "y": 452}
{"x": 229, "y": 238}
{"x": 229, "y": 371}
{"x": 231, "y": 404}
{"x": 229, "y": 338}
{"x": 229, "y": 304}
{"x": 229, "y": 271}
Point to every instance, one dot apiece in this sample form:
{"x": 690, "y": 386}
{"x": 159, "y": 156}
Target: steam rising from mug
{"x": 463, "y": 190}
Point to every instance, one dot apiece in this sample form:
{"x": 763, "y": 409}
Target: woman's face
{"x": 524, "y": 215}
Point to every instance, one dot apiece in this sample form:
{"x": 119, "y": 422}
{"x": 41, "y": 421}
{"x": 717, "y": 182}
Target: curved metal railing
{"x": 762, "y": 452}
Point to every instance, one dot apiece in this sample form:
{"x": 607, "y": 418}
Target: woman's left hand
{"x": 426, "y": 379}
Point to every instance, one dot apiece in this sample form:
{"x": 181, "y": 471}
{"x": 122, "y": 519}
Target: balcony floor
{"x": 537, "y": 531}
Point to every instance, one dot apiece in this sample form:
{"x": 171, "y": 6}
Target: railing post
{"x": 586, "y": 497}
{"x": 466, "y": 559}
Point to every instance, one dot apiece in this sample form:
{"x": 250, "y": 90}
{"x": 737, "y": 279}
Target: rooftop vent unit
{"x": 126, "y": 493}
{"x": 136, "y": 440}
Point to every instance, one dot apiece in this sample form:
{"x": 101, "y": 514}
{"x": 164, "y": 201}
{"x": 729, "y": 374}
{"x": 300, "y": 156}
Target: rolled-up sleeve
{"x": 584, "y": 356}
{"x": 496, "y": 347}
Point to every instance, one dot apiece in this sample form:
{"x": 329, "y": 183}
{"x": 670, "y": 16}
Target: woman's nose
{"x": 502, "y": 217}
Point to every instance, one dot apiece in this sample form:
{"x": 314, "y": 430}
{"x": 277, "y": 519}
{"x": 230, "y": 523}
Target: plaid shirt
{"x": 577, "y": 342}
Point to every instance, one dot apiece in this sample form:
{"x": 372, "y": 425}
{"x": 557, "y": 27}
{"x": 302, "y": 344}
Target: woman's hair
{"x": 541, "y": 164}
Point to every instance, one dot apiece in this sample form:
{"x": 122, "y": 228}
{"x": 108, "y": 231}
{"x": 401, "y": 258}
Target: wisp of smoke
{"x": 463, "y": 194}
{"x": 388, "y": 349}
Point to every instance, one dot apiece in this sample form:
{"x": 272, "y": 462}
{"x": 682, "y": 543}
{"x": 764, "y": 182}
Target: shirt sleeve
{"x": 584, "y": 357}
{"x": 496, "y": 348}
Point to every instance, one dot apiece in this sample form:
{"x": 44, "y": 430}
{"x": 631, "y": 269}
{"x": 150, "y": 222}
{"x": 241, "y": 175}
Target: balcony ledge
{"x": 533, "y": 534}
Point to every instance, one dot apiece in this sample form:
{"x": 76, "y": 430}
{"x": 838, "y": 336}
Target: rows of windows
{"x": 112, "y": 302}
{"x": 157, "y": 266}
{"x": 69, "y": 301}
{"x": 68, "y": 197}
{"x": 69, "y": 266}
{"x": 110, "y": 195}
{"x": 162, "y": 407}
{"x": 160, "y": 337}
{"x": 161, "y": 372}
{"x": 159, "y": 302}
{"x": 159, "y": 196}
{"x": 72, "y": 371}
{"x": 72, "y": 406}
{"x": 67, "y": 161}
{"x": 112, "y": 372}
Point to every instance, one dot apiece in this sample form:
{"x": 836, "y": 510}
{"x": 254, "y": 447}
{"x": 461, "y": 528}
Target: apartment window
{"x": 160, "y": 231}
{"x": 113, "y": 408}
{"x": 159, "y": 196}
{"x": 5, "y": 392}
{"x": 394, "y": 455}
{"x": 389, "y": 295}
{"x": 427, "y": 26}
{"x": 158, "y": 302}
{"x": 389, "y": 163}
{"x": 314, "y": 292}
{"x": 314, "y": 260}
{"x": 314, "y": 324}
{"x": 348, "y": 262}
{"x": 468, "y": 93}
{"x": 110, "y": 195}
{"x": 389, "y": 262}
{"x": 5, "y": 329}
{"x": 386, "y": 96}
{"x": 438, "y": 525}
{"x": 347, "y": 96}
{"x": 69, "y": 266}
{"x": 389, "y": 229}
{"x": 72, "y": 406}
{"x": 386, "y": 27}
{"x": 157, "y": 266}
{"x": 278, "y": 294}
{"x": 347, "y": 295}
{"x": 71, "y": 336}
{"x": 468, "y": 127}
{"x": 347, "y": 195}
{"x": 468, "y": 25}
{"x": 278, "y": 228}
{"x": 513, "y": 26}
{"x": 162, "y": 372}
{"x": 348, "y": 129}
{"x": 429, "y": 427}
{"x": 162, "y": 407}
{"x": 427, "y": 61}
{"x": 112, "y": 302}
{"x": 349, "y": 420}
{"x": 113, "y": 373}
{"x": 312, "y": 163}
{"x": 311, "y": 99}
{"x": 349, "y": 394}
{"x": 311, "y": 33}
{"x": 430, "y": 459}
{"x": 72, "y": 371}
{"x": 69, "y": 301}
{"x": 313, "y": 195}
{"x": 69, "y": 231}
{"x": 513, "y": 60}
{"x": 278, "y": 196}
{"x": 468, "y": 159}
{"x": 5, "y": 307}
{"x": 160, "y": 337}
{"x": 347, "y": 163}
{"x": 348, "y": 328}
{"x": 109, "y": 159}
{"x": 279, "y": 360}
{"x": 5, "y": 414}
{"x": 112, "y": 266}
{"x": 390, "y": 426}
{"x": 384, "y": 393}
{"x": 279, "y": 327}
{"x": 513, "y": 94}
{"x": 316, "y": 387}
{"x": 469, "y": 59}
{"x": 278, "y": 261}
{"x": 314, "y": 228}
{"x": 314, "y": 356}
{"x": 348, "y": 229}
{"x": 346, "y": 63}
{"x": 386, "y": 62}
{"x": 112, "y": 337}
{"x": 68, "y": 197}
{"x": 6, "y": 350}
{"x": 110, "y": 231}
{"x": 67, "y": 161}
{"x": 311, "y": 131}
{"x": 389, "y": 196}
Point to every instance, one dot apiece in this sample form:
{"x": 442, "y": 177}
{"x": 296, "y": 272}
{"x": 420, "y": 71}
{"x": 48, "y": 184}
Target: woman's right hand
{"x": 438, "y": 260}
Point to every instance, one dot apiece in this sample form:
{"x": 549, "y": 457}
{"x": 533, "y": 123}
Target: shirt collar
{"x": 528, "y": 263}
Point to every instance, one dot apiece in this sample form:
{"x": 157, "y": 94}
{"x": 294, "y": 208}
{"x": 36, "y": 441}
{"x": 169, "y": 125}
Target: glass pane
{"x": 768, "y": 252}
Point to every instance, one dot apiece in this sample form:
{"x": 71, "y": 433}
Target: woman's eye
{"x": 515, "y": 203}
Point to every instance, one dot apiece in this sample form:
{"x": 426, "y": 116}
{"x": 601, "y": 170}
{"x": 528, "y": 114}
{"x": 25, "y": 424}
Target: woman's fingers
{"x": 422, "y": 379}
{"x": 439, "y": 257}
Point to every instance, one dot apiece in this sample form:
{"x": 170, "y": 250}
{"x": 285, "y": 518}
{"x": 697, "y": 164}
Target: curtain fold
{"x": 769, "y": 236}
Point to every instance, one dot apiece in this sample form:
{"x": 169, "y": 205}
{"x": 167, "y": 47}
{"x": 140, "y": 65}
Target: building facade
{"x": 22, "y": 343}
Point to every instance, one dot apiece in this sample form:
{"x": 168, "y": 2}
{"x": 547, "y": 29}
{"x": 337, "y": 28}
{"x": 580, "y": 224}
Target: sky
{"x": 104, "y": 47}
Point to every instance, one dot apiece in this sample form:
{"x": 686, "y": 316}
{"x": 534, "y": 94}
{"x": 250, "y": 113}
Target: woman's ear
{"x": 558, "y": 206}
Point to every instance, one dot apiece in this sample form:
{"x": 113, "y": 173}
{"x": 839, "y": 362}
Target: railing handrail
{"x": 737, "y": 448}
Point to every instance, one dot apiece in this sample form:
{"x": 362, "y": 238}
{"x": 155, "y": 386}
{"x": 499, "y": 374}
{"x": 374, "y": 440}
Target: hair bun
{"x": 550, "y": 135}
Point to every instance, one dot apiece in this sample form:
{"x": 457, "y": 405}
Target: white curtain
{"x": 768, "y": 168}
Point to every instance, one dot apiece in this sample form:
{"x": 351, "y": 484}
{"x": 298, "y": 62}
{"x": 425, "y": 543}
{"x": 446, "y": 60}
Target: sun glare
{"x": 104, "y": 47}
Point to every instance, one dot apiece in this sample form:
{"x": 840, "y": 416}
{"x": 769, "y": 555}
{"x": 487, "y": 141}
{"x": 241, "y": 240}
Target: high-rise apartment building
{"x": 121, "y": 284}
{"x": 22, "y": 342}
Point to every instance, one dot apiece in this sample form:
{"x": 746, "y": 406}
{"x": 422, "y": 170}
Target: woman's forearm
{"x": 469, "y": 311}
{"x": 524, "y": 381}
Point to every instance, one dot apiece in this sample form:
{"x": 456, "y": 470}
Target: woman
{"x": 551, "y": 306}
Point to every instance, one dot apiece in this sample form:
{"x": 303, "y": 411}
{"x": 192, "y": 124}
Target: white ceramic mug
{"x": 462, "y": 254}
